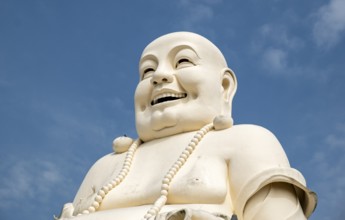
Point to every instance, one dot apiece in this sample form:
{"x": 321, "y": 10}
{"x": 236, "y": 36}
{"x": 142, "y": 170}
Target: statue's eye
{"x": 184, "y": 62}
{"x": 147, "y": 72}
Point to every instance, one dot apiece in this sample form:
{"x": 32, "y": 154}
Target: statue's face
{"x": 180, "y": 86}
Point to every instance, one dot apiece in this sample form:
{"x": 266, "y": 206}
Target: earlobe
{"x": 229, "y": 84}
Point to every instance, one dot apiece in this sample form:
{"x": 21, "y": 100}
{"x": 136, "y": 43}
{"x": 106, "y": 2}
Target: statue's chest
{"x": 201, "y": 179}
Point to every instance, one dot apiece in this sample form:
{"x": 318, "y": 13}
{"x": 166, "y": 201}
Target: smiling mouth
{"x": 167, "y": 97}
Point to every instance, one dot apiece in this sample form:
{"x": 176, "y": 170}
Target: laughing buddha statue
{"x": 190, "y": 161}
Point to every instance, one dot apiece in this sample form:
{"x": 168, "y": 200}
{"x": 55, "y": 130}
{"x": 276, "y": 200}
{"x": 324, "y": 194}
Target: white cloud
{"x": 279, "y": 49}
{"x": 200, "y": 13}
{"x": 197, "y": 12}
{"x": 327, "y": 165}
{"x": 72, "y": 123}
{"x": 118, "y": 105}
{"x": 278, "y": 35}
{"x": 330, "y": 24}
{"x": 28, "y": 179}
{"x": 337, "y": 140}
{"x": 274, "y": 59}
{"x": 193, "y": 2}
{"x": 68, "y": 126}
{"x": 274, "y": 45}
{"x": 329, "y": 182}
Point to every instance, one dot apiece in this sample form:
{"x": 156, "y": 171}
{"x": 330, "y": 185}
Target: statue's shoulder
{"x": 248, "y": 133}
{"x": 105, "y": 159}
{"x": 100, "y": 170}
{"x": 246, "y": 139}
{"x": 249, "y": 129}
{"x": 103, "y": 163}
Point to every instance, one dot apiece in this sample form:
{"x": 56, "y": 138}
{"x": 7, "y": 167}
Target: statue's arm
{"x": 264, "y": 184}
{"x": 274, "y": 201}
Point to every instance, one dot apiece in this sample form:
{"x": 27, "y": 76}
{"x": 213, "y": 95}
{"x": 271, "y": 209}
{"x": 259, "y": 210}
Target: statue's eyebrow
{"x": 178, "y": 48}
{"x": 173, "y": 51}
{"x": 147, "y": 57}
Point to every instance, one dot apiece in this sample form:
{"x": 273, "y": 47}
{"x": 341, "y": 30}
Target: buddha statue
{"x": 190, "y": 161}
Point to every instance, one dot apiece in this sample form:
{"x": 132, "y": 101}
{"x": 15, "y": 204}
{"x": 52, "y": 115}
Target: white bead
{"x": 182, "y": 160}
{"x": 169, "y": 176}
{"x": 121, "y": 144}
{"x": 222, "y": 122}
{"x": 179, "y": 163}
{"x": 121, "y": 176}
{"x": 91, "y": 209}
{"x": 95, "y": 204}
{"x": 113, "y": 184}
{"x": 203, "y": 130}
{"x": 110, "y": 186}
{"x": 173, "y": 170}
{"x": 86, "y": 212}
{"x": 186, "y": 152}
{"x": 171, "y": 173}
{"x": 160, "y": 202}
{"x": 165, "y": 187}
{"x": 195, "y": 140}
{"x": 99, "y": 198}
{"x": 166, "y": 180}
{"x": 131, "y": 151}
{"x": 105, "y": 189}
{"x": 184, "y": 156}
{"x": 164, "y": 192}
{"x": 190, "y": 149}
{"x": 198, "y": 136}
{"x": 101, "y": 193}
{"x": 134, "y": 146}
{"x": 176, "y": 166}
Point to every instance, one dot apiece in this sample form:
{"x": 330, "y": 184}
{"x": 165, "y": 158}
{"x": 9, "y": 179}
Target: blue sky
{"x": 68, "y": 71}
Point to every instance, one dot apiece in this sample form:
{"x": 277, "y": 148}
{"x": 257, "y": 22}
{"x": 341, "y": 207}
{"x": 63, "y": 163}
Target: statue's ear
{"x": 229, "y": 85}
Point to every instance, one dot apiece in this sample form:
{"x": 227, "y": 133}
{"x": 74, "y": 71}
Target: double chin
{"x": 163, "y": 119}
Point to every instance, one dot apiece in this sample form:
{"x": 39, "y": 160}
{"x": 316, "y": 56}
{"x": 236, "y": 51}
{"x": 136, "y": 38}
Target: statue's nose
{"x": 161, "y": 77}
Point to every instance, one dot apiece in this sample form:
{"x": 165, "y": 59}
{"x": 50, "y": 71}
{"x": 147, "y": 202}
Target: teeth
{"x": 170, "y": 95}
